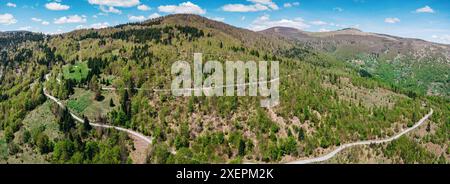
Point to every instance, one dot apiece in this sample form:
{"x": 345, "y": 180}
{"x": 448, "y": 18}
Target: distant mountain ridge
{"x": 364, "y": 42}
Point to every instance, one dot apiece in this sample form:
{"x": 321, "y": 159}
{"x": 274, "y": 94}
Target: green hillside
{"x": 326, "y": 101}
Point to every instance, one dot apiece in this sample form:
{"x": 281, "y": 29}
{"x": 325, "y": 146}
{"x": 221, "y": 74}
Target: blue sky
{"x": 425, "y": 19}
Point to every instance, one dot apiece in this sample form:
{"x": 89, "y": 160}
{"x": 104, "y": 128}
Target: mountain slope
{"x": 324, "y": 102}
{"x": 366, "y": 42}
{"x": 417, "y": 65}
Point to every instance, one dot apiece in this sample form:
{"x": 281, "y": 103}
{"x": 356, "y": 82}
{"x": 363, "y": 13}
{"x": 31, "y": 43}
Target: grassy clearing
{"x": 77, "y": 72}
{"x": 42, "y": 118}
{"x": 80, "y": 101}
{"x": 83, "y": 103}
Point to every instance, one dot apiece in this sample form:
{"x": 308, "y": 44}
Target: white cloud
{"x": 7, "y": 19}
{"x": 70, "y": 19}
{"x": 392, "y": 20}
{"x": 186, "y": 7}
{"x": 258, "y": 5}
{"x": 110, "y": 9}
{"x": 442, "y": 38}
{"x": 116, "y": 3}
{"x": 264, "y": 22}
{"x": 288, "y": 5}
{"x": 338, "y": 25}
{"x": 268, "y": 3}
{"x": 136, "y": 18}
{"x": 11, "y": 5}
{"x": 318, "y": 23}
{"x": 143, "y": 7}
{"x": 94, "y": 26}
{"x": 425, "y": 9}
{"x": 56, "y": 6}
{"x": 58, "y": 31}
{"x": 324, "y": 30}
{"x": 244, "y": 8}
{"x": 154, "y": 15}
{"x": 100, "y": 25}
{"x": 36, "y": 19}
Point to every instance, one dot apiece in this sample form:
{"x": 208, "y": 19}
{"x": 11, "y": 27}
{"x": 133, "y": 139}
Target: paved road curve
{"x": 342, "y": 147}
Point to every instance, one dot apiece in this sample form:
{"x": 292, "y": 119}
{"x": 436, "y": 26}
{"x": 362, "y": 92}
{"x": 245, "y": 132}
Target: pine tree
{"x": 111, "y": 103}
{"x": 301, "y": 134}
{"x": 241, "y": 147}
{"x": 86, "y": 124}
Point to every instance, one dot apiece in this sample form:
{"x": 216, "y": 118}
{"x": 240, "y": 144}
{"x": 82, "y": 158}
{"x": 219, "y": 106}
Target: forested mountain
{"x": 330, "y": 94}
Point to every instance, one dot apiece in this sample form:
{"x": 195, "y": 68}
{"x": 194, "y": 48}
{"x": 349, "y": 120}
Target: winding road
{"x": 369, "y": 142}
{"x": 79, "y": 119}
{"x": 304, "y": 161}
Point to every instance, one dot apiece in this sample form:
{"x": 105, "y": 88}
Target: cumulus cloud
{"x": 136, "y": 18}
{"x": 244, "y": 8}
{"x": 288, "y": 5}
{"x": 268, "y": 3}
{"x": 186, "y": 7}
{"x": 116, "y": 3}
{"x": 442, "y": 38}
{"x": 392, "y": 20}
{"x": 11, "y": 5}
{"x": 110, "y": 9}
{"x": 70, "y": 19}
{"x": 141, "y": 18}
{"x": 36, "y": 19}
{"x": 143, "y": 7}
{"x": 7, "y": 19}
{"x": 425, "y": 9}
{"x": 100, "y": 25}
{"x": 154, "y": 15}
{"x": 56, "y": 6}
{"x": 58, "y": 31}
{"x": 94, "y": 26}
{"x": 264, "y": 22}
{"x": 258, "y": 5}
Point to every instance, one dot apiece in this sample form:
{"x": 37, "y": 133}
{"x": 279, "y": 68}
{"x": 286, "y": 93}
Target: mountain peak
{"x": 278, "y": 28}
{"x": 283, "y": 30}
{"x": 351, "y": 29}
